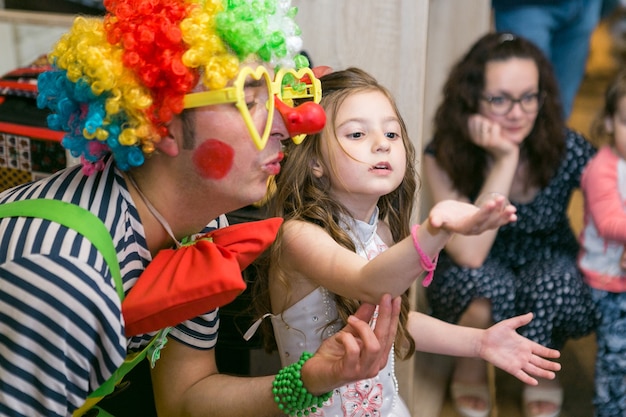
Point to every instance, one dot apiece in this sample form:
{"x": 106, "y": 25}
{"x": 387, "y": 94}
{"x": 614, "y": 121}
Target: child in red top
{"x": 602, "y": 248}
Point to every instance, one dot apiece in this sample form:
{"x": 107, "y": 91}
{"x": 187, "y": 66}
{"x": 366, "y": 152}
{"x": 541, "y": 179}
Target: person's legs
{"x": 555, "y": 292}
{"x": 562, "y": 32}
{"x": 608, "y": 7}
{"x": 535, "y": 23}
{"x": 454, "y": 288}
{"x": 610, "y": 369}
{"x": 570, "y": 47}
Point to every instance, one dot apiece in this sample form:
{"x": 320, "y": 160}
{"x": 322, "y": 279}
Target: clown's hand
{"x": 357, "y": 351}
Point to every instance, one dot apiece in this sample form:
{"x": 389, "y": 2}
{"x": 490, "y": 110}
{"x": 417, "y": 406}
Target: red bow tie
{"x": 183, "y": 283}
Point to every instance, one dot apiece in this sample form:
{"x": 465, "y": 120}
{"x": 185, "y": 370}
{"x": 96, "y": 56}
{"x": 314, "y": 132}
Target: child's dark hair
{"x": 615, "y": 91}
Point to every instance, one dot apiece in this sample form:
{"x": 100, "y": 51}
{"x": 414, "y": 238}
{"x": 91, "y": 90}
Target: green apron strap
{"x": 91, "y": 227}
{"x": 74, "y": 217}
{"x": 152, "y": 351}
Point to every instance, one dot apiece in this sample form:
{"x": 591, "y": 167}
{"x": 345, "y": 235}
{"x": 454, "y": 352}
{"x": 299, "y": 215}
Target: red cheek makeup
{"x": 213, "y": 159}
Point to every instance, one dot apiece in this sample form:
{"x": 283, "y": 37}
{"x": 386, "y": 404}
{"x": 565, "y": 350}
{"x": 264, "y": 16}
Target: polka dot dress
{"x": 531, "y": 267}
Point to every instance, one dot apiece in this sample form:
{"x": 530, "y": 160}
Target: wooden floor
{"x": 578, "y": 356}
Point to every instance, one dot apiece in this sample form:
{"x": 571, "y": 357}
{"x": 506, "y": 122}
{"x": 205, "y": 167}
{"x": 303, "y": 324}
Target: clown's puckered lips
{"x": 273, "y": 167}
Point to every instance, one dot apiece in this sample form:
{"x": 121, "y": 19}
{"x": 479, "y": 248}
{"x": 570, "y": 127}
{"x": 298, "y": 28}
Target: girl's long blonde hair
{"x": 300, "y": 195}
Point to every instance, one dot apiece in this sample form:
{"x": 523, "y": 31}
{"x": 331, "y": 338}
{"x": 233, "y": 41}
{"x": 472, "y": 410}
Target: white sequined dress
{"x": 304, "y": 325}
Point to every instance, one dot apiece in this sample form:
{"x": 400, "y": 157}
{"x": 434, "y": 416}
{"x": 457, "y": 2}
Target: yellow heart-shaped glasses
{"x": 288, "y": 85}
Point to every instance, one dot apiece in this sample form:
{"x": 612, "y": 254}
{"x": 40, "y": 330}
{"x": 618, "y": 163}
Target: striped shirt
{"x": 61, "y": 329}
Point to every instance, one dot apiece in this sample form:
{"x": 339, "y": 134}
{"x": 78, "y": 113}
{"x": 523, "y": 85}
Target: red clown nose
{"x": 305, "y": 119}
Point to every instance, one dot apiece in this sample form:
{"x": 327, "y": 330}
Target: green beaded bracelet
{"x": 290, "y": 394}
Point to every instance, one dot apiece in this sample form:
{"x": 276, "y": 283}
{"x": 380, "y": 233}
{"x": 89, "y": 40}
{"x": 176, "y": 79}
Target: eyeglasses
{"x": 501, "y": 105}
{"x": 254, "y": 90}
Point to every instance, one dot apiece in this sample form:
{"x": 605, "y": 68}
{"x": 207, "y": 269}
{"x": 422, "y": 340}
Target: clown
{"x": 177, "y": 110}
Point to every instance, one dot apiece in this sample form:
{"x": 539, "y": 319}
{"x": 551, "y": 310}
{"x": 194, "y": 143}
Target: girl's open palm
{"x": 468, "y": 219}
{"x": 524, "y": 359}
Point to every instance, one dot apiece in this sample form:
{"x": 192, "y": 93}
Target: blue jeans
{"x": 562, "y": 30}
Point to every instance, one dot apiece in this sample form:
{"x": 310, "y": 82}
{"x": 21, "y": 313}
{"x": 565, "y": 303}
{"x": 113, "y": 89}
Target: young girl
{"x": 602, "y": 248}
{"x": 347, "y": 196}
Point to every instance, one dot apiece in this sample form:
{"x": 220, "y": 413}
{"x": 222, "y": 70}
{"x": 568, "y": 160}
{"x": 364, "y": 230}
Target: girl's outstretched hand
{"x": 508, "y": 350}
{"x": 491, "y": 212}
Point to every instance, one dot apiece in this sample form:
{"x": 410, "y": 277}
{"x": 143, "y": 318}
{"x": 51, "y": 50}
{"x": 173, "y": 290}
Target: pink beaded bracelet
{"x": 427, "y": 264}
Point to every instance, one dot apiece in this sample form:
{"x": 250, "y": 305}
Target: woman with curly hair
{"x": 500, "y": 129}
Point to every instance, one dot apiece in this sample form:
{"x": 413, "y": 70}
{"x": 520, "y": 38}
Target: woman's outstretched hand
{"x": 469, "y": 219}
{"x": 524, "y": 359}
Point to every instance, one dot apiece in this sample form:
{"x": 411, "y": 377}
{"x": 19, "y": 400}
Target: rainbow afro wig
{"x": 117, "y": 82}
